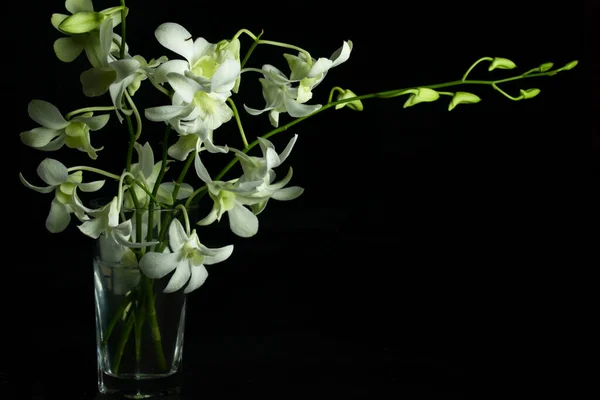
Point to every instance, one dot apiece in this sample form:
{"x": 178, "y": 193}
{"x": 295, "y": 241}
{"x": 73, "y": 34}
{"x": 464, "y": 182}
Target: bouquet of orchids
{"x": 199, "y": 84}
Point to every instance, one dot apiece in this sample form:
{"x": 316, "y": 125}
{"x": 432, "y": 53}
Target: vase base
{"x": 139, "y": 387}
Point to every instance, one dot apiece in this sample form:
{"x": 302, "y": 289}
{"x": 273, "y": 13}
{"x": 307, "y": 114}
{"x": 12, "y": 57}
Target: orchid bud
{"x": 570, "y": 65}
{"x": 81, "y": 22}
{"x": 355, "y": 105}
{"x": 463, "y": 98}
{"x": 421, "y": 95}
{"x": 545, "y": 66}
{"x": 529, "y": 93}
{"x": 501, "y": 63}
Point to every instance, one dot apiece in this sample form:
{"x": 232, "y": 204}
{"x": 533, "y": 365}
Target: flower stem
{"x": 388, "y": 93}
{"x": 153, "y": 321}
{"x": 96, "y": 170}
{"x": 252, "y": 47}
{"x": 139, "y": 323}
{"x": 239, "y": 122}
{"x": 123, "y": 29}
{"x": 123, "y": 342}
{"x": 113, "y": 322}
{"x": 88, "y": 109}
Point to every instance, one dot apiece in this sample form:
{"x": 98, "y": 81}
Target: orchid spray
{"x": 199, "y": 85}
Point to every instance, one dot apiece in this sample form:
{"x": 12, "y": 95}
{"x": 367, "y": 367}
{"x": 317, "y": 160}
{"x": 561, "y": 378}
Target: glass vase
{"x": 139, "y": 329}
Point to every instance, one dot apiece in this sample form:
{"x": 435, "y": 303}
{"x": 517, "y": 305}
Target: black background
{"x": 418, "y": 232}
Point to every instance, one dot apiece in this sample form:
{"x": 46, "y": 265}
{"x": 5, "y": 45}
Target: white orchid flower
{"x": 187, "y": 256}
{"x": 310, "y": 72}
{"x": 64, "y": 185}
{"x": 147, "y": 70}
{"x": 112, "y": 75}
{"x": 193, "y": 111}
{"x": 261, "y": 168}
{"x": 68, "y": 48}
{"x": 280, "y": 97}
{"x": 216, "y": 67}
{"x": 105, "y": 220}
{"x": 56, "y": 131}
{"x": 146, "y": 172}
{"x": 278, "y": 92}
{"x": 231, "y": 198}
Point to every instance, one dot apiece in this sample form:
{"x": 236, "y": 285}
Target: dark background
{"x": 419, "y": 231}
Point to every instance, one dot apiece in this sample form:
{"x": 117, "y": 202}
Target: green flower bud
{"x": 529, "y": 93}
{"x": 81, "y": 22}
{"x": 463, "y": 98}
{"x": 355, "y": 105}
{"x": 570, "y": 65}
{"x": 501, "y": 63}
{"x": 546, "y": 66}
{"x": 420, "y": 95}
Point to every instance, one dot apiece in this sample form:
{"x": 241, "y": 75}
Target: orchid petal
{"x": 171, "y": 66}
{"x": 199, "y": 275}
{"x": 214, "y": 256}
{"x": 342, "y": 54}
{"x": 91, "y": 186}
{"x": 165, "y": 113}
{"x": 46, "y": 114}
{"x": 38, "y": 189}
{"x": 321, "y": 66}
{"x": 177, "y": 235}
{"x": 288, "y": 149}
{"x": 157, "y": 265}
{"x": 54, "y": 144}
{"x": 180, "y": 277}
{"x": 96, "y": 122}
{"x": 201, "y": 170}
{"x": 57, "y": 18}
{"x": 52, "y": 172}
{"x": 39, "y": 137}
{"x": 93, "y": 228}
{"x": 75, "y": 6}
{"x": 242, "y": 221}
{"x": 184, "y": 145}
{"x": 58, "y": 218}
{"x": 185, "y": 87}
{"x": 288, "y": 193}
{"x": 175, "y": 38}
{"x": 96, "y": 81}
{"x": 67, "y": 49}
{"x": 210, "y": 218}
{"x": 125, "y": 68}
{"x": 106, "y": 37}
{"x": 225, "y": 76}
{"x": 254, "y": 111}
{"x": 298, "y": 110}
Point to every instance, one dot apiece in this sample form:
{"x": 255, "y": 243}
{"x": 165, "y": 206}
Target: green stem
{"x": 184, "y": 171}
{"x": 139, "y": 323}
{"x": 123, "y": 342}
{"x": 123, "y": 29}
{"x": 332, "y": 91}
{"x": 153, "y": 321}
{"x": 388, "y": 93}
{"x": 88, "y": 109}
{"x": 239, "y": 122}
{"x": 113, "y": 322}
{"x": 287, "y": 46}
{"x": 138, "y": 118}
{"x": 95, "y": 170}
{"x": 161, "y": 174}
{"x": 252, "y": 47}
{"x": 473, "y": 66}
{"x": 508, "y": 96}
